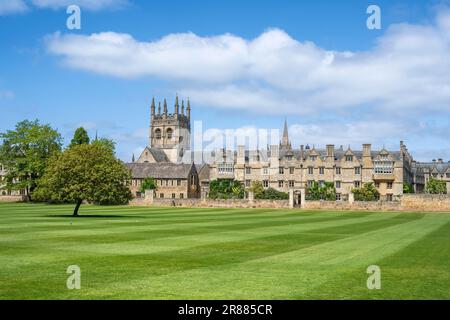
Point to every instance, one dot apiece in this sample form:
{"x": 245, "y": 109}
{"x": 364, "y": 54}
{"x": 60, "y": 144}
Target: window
{"x": 349, "y": 158}
{"x": 357, "y": 170}
{"x": 310, "y": 183}
{"x": 337, "y": 184}
{"x": 289, "y": 157}
{"x": 169, "y": 133}
{"x": 291, "y": 170}
{"x": 173, "y": 196}
{"x": 377, "y": 185}
{"x": 181, "y": 195}
{"x": 310, "y": 170}
{"x": 434, "y": 175}
{"x": 338, "y": 197}
{"x": 389, "y": 185}
{"x": 178, "y": 182}
{"x": 161, "y": 195}
{"x": 225, "y": 168}
{"x": 193, "y": 180}
{"x": 265, "y": 170}
{"x": 321, "y": 183}
{"x": 338, "y": 170}
{"x": 248, "y": 170}
{"x": 389, "y": 197}
{"x": 158, "y": 134}
{"x": 313, "y": 158}
{"x": 321, "y": 170}
{"x": 138, "y": 194}
{"x": 447, "y": 175}
{"x": 357, "y": 184}
{"x": 280, "y": 183}
{"x": 383, "y": 167}
{"x": 281, "y": 170}
{"x": 265, "y": 183}
{"x": 291, "y": 183}
{"x": 248, "y": 183}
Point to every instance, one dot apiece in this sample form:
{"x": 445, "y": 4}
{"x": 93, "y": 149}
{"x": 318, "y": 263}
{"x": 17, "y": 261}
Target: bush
{"x": 325, "y": 192}
{"x": 367, "y": 192}
{"x": 148, "y": 184}
{"x": 407, "y": 188}
{"x": 435, "y": 186}
{"x": 226, "y": 189}
{"x": 272, "y": 194}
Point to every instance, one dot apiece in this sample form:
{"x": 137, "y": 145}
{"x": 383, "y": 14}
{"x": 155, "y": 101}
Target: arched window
{"x": 169, "y": 133}
{"x": 158, "y": 134}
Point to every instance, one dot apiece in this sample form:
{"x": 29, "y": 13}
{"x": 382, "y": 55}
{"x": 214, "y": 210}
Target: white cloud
{"x": 12, "y": 7}
{"x": 406, "y": 71}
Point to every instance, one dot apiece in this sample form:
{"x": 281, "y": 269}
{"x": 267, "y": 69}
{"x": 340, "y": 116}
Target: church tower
{"x": 170, "y": 132}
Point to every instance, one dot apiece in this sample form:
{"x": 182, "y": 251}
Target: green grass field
{"x": 184, "y": 253}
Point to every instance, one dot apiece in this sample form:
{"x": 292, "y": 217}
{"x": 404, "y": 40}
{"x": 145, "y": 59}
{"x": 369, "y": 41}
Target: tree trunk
{"x": 75, "y": 211}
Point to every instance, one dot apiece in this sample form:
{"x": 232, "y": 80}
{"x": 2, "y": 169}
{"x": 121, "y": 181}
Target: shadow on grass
{"x": 90, "y": 216}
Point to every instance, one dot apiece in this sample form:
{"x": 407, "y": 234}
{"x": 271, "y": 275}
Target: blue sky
{"x": 243, "y": 64}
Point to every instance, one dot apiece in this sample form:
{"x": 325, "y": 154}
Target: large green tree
{"x": 80, "y": 137}
{"x": 86, "y": 172}
{"x": 25, "y": 151}
{"x": 435, "y": 186}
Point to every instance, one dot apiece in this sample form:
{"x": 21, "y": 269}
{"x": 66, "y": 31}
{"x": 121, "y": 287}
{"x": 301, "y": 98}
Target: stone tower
{"x": 171, "y": 132}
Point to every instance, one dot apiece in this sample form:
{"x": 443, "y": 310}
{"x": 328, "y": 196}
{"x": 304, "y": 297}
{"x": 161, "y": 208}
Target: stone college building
{"x": 280, "y": 166}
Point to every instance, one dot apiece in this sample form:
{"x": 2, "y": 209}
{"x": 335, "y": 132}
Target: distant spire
{"x": 176, "y": 105}
{"x": 132, "y": 158}
{"x": 96, "y": 135}
{"x": 285, "y": 140}
{"x": 159, "y": 107}
{"x": 188, "y": 113}
{"x": 165, "y": 106}
{"x": 152, "y": 108}
{"x": 182, "y": 107}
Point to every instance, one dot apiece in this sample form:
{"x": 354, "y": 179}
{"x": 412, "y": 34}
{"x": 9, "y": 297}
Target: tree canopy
{"x": 367, "y": 192}
{"x": 435, "y": 186}
{"x": 226, "y": 189}
{"x": 80, "y": 137}
{"x": 327, "y": 191}
{"x": 25, "y": 151}
{"x": 86, "y": 172}
{"x": 148, "y": 184}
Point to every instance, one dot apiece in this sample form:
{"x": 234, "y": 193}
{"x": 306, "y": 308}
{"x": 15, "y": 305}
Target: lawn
{"x": 184, "y": 253}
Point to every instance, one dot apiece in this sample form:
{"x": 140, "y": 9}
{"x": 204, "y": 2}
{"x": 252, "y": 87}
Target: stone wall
{"x": 425, "y": 202}
{"x": 232, "y": 203}
{"x": 357, "y": 205}
{"x": 12, "y": 198}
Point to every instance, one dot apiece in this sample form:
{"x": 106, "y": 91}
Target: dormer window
{"x": 349, "y": 158}
{"x": 313, "y": 158}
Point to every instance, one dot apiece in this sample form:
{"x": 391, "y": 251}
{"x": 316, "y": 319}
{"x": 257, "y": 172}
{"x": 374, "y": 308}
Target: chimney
{"x": 440, "y": 160}
{"x": 367, "y": 150}
{"x": 241, "y": 154}
{"x": 302, "y": 152}
{"x": 330, "y": 150}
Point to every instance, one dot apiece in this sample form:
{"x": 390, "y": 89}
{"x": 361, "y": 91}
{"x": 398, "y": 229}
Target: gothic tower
{"x": 171, "y": 132}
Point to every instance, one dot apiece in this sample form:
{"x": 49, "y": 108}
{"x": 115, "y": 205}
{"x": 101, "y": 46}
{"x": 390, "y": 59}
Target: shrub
{"x": 367, "y": 192}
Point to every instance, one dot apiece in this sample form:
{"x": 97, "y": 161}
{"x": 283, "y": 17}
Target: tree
{"x": 273, "y": 194}
{"x": 226, "y": 189}
{"x": 85, "y": 173}
{"x": 367, "y": 192}
{"x": 24, "y": 153}
{"x": 325, "y": 192}
{"x": 435, "y": 186}
{"x": 148, "y": 184}
{"x": 258, "y": 189}
{"x": 105, "y": 142}
{"x": 408, "y": 188}
{"x": 80, "y": 137}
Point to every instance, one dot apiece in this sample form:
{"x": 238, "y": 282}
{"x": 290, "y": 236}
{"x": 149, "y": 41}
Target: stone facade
{"x": 282, "y": 167}
{"x": 9, "y": 195}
